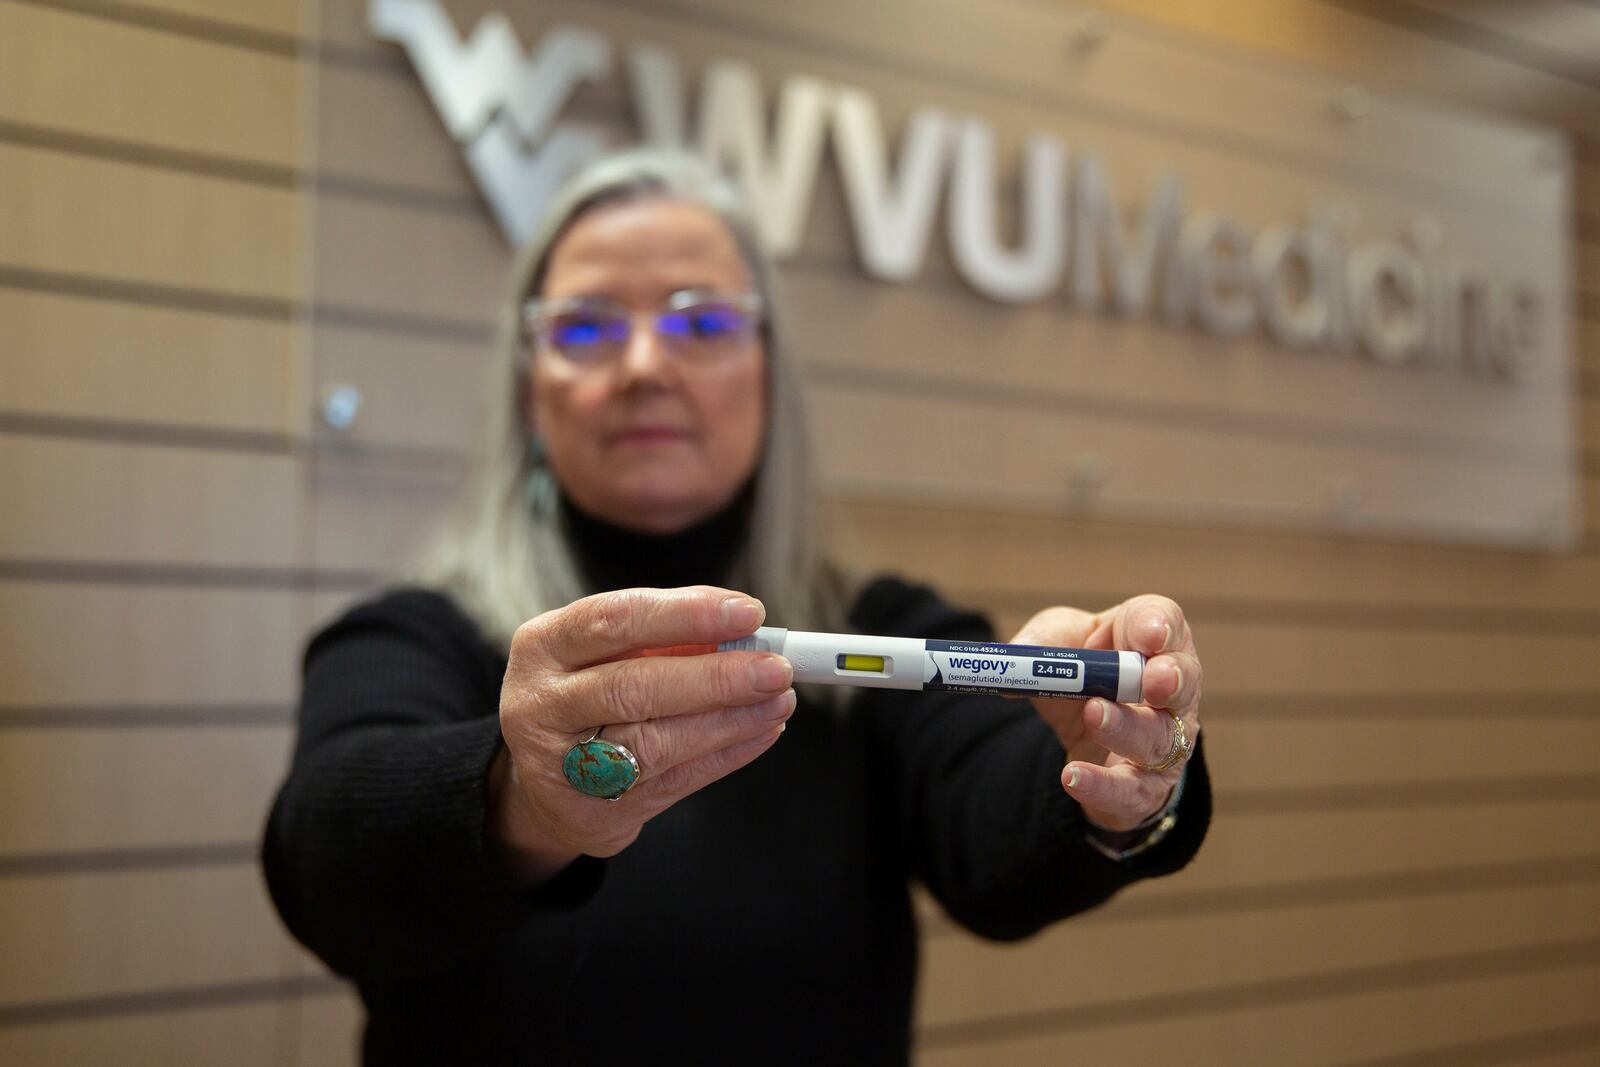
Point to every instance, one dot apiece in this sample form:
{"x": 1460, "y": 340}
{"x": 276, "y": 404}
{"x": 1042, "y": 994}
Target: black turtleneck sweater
{"x": 764, "y": 919}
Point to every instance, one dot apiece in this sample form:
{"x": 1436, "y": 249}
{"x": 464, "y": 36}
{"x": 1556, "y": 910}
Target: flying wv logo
{"x": 500, "y": 104}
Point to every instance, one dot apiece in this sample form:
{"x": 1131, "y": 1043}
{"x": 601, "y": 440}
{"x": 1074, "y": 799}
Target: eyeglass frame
{"x": 537, "y": 311}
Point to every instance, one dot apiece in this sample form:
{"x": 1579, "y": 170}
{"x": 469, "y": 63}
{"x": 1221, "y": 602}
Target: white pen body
{"x": 956, "y": 666}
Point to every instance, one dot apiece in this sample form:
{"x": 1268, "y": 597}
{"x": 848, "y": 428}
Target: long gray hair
{"x": 501, "y": 554}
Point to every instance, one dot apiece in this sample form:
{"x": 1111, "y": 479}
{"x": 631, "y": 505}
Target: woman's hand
{"x": 688, "y": 719}
{"x": 1100, "y": 736}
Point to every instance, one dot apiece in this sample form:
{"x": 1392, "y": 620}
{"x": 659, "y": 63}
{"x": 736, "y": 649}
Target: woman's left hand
{"x": 1102, "y": 737}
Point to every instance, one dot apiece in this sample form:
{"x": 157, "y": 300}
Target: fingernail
{"x": 1177, "y": 672}
{"x": 1166, "y": 635}
{"x": 742, "y": 613}
{"x": 1072, "y": 777}
{"x": 778, "y": 707}
{"x": 771, "y": 674}
{"x": 1107, "y": 711}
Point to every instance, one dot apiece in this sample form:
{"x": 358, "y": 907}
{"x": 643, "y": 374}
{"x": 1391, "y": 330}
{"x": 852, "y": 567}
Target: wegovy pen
{"x": 956, "y": 666}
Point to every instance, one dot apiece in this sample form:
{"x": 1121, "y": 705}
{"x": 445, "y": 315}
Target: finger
{"x": 1132, "y": 731}
{"x": 608, "y": 625}
{"x": 634, "y": 690}
{"x": 1172, "y": 680}
{"x": 669, "y": 788}
{"x": 662, "y": 744}
{"x": 1119, "y": 797}
{"x": 1058, "y": 626}
{"x": 1150, "y": 624}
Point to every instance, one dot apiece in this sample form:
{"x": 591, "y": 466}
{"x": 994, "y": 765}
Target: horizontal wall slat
{"x": 366, "y": 116}
{"x": 67, "y": 214}
{"x": 277, "y": 16}
{"x": 1358, "y": 40}
{"x": 1559, "y": 38}
{"x": 964, "y": 344}
{"x": 366, "y": 258}
{"x": 1131, "y": 906}
{"x": 1297, "y": 613}
{"x": 85, "y": 500}
{"x": 120, "y": 789}
{"x": 935, "y": 448}
{"x": 117, "y": 644}
{"x": 966, "y": 979}
{"x": 370, "y": 517}
{"x": 394, "y": 373}
{"x": 242, "y": 1035}
{"x": 956, "y": 547}
{"x": 1258, "y": 850}
{"x": 1582, "y": 1037}
{"x": 93, "y": 935}
{"x": 1315, "y": 1032}
{"x": 214, "y": 371}
{"x": 1265, "y": 755}
{"x": 330, "y": 1030}
{"x": 66, "y": 71}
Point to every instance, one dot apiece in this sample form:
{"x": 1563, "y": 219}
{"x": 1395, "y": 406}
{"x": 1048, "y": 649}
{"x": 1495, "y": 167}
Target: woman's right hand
{"x": 688, "y": 719}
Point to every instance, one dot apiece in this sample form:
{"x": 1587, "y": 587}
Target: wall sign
{"x": 1401, "y": 296}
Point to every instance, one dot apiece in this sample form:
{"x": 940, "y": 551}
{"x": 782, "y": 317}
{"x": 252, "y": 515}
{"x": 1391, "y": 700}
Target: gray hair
{"x": 501, "y": 554}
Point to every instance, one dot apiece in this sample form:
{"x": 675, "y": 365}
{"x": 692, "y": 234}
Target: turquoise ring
{"x": 598, "y": 768}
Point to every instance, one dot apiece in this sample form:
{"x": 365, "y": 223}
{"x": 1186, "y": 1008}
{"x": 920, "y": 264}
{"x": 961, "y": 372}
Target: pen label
{"x": 973, "y": 667}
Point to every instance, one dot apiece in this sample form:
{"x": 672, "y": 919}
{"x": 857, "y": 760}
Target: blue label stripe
{"x": 1102, "y": 668}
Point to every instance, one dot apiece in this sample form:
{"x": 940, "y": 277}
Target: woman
{"x": 438, "y": 840}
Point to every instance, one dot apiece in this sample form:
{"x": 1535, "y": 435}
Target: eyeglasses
{"x": 698, "y": 326}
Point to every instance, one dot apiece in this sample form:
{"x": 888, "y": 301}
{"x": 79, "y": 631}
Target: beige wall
{"x": 1405, "y": 857}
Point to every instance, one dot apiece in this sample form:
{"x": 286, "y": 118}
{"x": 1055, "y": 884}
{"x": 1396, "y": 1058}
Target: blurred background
{"x": 250, "y": 251}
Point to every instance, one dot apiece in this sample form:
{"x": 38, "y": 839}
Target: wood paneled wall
{"x": 202, "y": 203}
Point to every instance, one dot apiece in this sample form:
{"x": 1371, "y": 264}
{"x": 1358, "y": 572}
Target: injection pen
{"x": 955, "y": 666}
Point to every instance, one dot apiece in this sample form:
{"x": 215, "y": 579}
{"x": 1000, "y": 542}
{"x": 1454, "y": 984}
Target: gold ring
{"x": 1180, "y": 749}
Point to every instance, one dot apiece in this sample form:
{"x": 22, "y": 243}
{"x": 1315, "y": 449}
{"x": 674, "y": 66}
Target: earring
{"x": 541, "y": 483}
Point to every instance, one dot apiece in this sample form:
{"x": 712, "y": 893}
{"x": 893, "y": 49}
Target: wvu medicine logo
{"x": 500, "y": 104}
{"x": 1312, "y": 284}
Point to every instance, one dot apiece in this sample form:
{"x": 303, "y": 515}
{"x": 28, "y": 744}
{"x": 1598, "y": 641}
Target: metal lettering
{"x": 891, "y": 218}
{"x": 1216, "y": 272}
{"x": 1033, "y": 269}
{"x": 1282, "y": 258}
{"x": 657, "y": 92}
{"x": 1097, "y": 224}
{"x": 733, "y": 133}
{"x": 1390, "y": 301}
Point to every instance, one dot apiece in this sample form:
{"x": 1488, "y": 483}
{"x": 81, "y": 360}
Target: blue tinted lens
{"x": 705, "y": 322}
{"x": 581, "y": 331}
